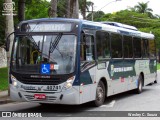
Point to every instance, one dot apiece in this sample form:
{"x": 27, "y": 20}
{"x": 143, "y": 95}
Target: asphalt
{"x": 4, "y": 97}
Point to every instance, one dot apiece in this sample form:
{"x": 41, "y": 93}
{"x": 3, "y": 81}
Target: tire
{"x": 100, "y": 95}
{"x": 140, "y": 85}
{"x": 155, "y": 81}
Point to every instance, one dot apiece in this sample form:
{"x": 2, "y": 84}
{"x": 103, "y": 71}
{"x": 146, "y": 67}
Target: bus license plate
{"x": 53, "y": 87}
{"x": 39, "y": 96}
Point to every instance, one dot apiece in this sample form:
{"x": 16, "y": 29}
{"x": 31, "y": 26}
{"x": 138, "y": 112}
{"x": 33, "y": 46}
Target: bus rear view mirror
{"x": 7, "y": 43}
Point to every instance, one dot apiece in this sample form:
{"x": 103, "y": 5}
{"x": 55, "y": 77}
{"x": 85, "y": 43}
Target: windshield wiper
{"x": 54, "y": 44}
{"x": 34, "y": 43}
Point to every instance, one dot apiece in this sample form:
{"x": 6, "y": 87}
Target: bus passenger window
{"x": 103, "y": 45}
{"x": 127, "y": 47}
{"x": 152, "y": 49}
{"x": 87, "y": 48}
{"x": 116, "y": 46}
{"x": 137, "y": 47}
{"x": 145, "y": 48}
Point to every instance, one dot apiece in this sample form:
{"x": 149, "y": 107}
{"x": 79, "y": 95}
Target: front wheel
{"x": 100, "y": 94}
{"x": 140, "y": 85}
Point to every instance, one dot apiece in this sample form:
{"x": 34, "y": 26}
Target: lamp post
{"x": 103, "y": 7}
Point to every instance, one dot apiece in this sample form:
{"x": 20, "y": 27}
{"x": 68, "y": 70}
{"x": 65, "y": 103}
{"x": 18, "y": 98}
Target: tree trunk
{"x": 68, "y": 11}
{"x": 84, "y": 10}
{"x": 21, "y": 10}
{"x": 74, "y": 8}
{"x": 9, "y": 29}
{"x": 53, "y": 10}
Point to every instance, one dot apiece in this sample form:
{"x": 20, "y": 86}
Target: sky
{"x": 114, "y": 6}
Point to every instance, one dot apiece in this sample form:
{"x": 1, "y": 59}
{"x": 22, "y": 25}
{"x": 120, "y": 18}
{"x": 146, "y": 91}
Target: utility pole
{"x": 92, "y": 10}
{"x": 53, "y": 10}
{"x": 9, "y": 29}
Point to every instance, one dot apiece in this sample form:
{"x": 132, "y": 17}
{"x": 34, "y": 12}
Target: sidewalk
{"x": 4, "y": 98}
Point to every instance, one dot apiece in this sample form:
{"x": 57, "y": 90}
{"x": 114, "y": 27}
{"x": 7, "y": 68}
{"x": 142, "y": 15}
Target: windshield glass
{"x": 45, "y": 54}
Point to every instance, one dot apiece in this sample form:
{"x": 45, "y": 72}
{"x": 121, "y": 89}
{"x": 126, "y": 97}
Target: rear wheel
{"x": 140, "y": 85}
{"x": 100, "y": 94}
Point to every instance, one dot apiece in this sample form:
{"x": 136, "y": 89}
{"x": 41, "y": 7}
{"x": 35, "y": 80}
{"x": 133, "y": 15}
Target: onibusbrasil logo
{"x": 9, "y": 9}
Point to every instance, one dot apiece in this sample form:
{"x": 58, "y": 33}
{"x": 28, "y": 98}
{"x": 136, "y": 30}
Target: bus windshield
{"x": 31, "y": 51}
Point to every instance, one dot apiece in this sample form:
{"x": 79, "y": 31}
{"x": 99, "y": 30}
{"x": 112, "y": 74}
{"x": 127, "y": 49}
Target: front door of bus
{"x": 87, "y": 73}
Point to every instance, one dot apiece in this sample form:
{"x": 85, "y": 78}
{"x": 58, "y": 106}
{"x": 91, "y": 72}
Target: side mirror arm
{"x": 7, "y": 42}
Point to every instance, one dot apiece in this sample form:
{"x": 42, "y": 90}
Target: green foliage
{"x": 97, "y": 16}
{"x": 3, "y": 79}
{"x": 34, "y": 9}
{"x": 158, "y": 66}
{"x": 37, "y": 9}
{"x": 141, "y": 21}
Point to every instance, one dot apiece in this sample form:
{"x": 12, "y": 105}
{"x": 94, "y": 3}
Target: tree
{"x": 143, "y": 8}
{"x": 74, "y": 9}
{"x": 36, "y": 9}
{"x": 84, "y": 6}
{"x": 97, "y": 16}
{"x": 21, "y": 10}
{"x": 53, "y": 9}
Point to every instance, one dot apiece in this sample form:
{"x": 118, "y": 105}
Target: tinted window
{"x": 128, "y": 47}
{"x": 116, "y": 45}
{"x": 103, "y": 45}
{"x": 137, "y": 47}
{"x": 152, "y": 50}
{"x": 87, "y": 48}
{"x": 145, "y": 48}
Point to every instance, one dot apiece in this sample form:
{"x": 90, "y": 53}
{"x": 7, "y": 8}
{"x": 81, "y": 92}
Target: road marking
{"x": 110, "y": 105}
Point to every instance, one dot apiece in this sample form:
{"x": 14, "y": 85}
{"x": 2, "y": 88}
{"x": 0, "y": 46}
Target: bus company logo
{"x": 9, "y": 9}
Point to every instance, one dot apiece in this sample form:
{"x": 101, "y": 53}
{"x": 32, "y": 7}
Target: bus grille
{"x": 48, "y": 98}
{"x": 41, "y": 81}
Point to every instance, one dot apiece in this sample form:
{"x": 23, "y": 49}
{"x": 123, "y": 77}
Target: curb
{"x": 5, "y": 101}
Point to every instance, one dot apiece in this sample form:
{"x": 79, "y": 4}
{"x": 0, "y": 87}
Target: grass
{"x": 3, "y": 79}
{"x": 158, "y": 66}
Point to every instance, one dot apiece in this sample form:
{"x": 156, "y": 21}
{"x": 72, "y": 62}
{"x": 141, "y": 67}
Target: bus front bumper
{"x": 70, "y": 96}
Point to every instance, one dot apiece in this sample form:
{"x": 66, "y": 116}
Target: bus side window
{"x": 103, "y": 45}
{"x": 127, "y": 47}
{"x": 145, "y": 48}
{"x": 116, "y": 45}
{"x": 137, "y": 47}
{"x": 152, "y": 49}
{"x": 87, "y": 48}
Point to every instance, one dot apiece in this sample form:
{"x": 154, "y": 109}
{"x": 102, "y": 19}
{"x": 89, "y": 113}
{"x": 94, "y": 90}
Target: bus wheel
{"x": 140, "y": 85}
{"x": 155, "y": 81}
{"x": 100, "y": 94}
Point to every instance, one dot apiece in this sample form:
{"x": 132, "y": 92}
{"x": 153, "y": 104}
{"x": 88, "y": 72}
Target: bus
{"x": 73, "y": 61}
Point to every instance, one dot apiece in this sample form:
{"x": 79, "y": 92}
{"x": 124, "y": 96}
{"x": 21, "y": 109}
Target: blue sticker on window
{"x": 45, "y": 69}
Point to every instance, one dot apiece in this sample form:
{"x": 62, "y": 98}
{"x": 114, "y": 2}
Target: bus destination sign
{"x": 46, "y": 27}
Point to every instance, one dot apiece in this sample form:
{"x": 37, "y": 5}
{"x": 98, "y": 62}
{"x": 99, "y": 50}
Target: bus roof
{"x": 106, "y": 26}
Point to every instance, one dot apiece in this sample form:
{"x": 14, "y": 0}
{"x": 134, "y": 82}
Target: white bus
{"x": 71, "y": 61}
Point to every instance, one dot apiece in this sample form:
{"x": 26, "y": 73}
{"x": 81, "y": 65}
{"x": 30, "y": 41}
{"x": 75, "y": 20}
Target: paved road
{"x": 148, "y": 100}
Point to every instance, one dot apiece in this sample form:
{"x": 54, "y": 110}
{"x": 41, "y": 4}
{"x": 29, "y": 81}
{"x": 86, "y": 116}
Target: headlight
{"x": 69, "y": 83}
{"x": 14, "y": 81}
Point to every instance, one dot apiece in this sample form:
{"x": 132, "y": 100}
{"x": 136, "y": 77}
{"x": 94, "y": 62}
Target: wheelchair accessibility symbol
{"x": 45, "y": 69}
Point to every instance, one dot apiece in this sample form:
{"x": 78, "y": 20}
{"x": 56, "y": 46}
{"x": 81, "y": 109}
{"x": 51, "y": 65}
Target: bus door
{"x": 87, "y": 66}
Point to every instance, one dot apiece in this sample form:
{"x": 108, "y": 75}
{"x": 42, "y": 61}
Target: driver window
{"x": 87, "y": 48}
